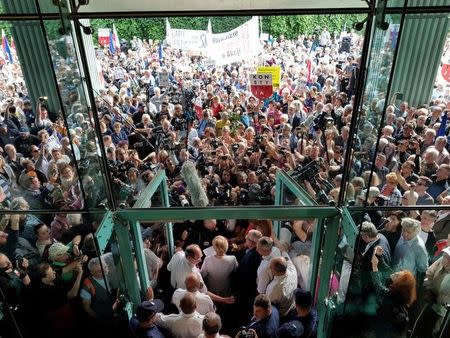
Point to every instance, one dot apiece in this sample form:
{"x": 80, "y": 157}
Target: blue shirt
{"x": 151, "y": 332}
{"x": 267, "y": 327}
{"x": 410, "y": 255}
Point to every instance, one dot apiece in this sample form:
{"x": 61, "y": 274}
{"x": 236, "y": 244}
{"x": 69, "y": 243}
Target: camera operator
{"x": 179, "y": 123}
{"x": 163, "y": 114}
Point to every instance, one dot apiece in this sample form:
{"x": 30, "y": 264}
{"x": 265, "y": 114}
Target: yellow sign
{"x": 275, "y": 71}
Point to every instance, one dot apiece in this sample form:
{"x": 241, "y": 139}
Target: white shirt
{"x": 181, "y": 325}
{"x": 281, "y": 289}
{"x": 180, "y": 267}
{"x": 263, "y": 274}
{"x": 204, "y": 302}
{"x": 153, "y": 263}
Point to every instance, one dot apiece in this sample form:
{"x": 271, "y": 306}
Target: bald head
{"x": 212, "y": 324}
{"x": 192, "y": 282}
{"x": 188, "y": 304}
{"x": 278, "y": 266}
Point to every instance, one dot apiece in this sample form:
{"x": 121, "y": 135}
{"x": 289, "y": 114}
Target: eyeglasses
{"x": 420, "y": 183}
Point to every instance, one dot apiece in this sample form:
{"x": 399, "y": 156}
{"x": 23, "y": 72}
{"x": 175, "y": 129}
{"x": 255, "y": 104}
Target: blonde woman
{"x": 217, "y": 269}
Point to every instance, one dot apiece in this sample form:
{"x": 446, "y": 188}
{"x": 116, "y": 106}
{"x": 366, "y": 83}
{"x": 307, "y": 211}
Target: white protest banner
{"x": 264, "y": 36}
{"x": 236, "y": 45}
{"x": 53, "y": 142}
{"x": 261, "y": 85}
{"x": 186, "y": 39}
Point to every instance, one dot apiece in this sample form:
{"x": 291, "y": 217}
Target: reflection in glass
{"x": 77, "y": 115}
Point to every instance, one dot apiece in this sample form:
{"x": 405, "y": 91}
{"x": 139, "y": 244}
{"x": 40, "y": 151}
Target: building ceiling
{"x": 214, "y": 5}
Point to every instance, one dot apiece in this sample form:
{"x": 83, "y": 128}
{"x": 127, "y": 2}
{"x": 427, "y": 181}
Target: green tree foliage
{"x": 288, "y": 25}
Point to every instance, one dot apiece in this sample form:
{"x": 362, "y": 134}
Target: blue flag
{"x": 441, "y": 131}
{"x": 112, "y": 49}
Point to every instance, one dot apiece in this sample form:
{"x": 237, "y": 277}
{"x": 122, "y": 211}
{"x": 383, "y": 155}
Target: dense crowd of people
{"x": 203, "y": 126}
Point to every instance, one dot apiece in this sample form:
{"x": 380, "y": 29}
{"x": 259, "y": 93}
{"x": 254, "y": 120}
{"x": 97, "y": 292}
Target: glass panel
{"x": 48, "y": 252}
{"x": 77, "y": 115}
{"x": 29, "y": 6}
{"x": 37, "y": 161}
{"x": 118, "y": 6}
{"x": 236, "y": 155}
{"x": 384, "y": 44}
{"x": 417, "y": 3}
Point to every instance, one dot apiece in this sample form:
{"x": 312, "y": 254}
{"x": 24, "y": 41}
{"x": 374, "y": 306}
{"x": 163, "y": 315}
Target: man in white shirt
{"x": 281, "y": 289}
{"x": 193, "y": 285}
{"x": 264, "y": 276}
{"x": 211, "y": 326}
{"x": 187, "y": 324}
{"x": 183, "y": 263}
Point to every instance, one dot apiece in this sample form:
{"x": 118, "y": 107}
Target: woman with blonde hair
{"x": 390, "y": 191}
{"x": 217, "y": 268}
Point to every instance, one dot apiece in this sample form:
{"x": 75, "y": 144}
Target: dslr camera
{"x": 245, "y": 333}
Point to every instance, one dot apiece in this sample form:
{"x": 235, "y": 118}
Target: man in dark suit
{"x": 246, "y": 277}
{"x": 441, "y": 227}
{"x": 370, "y": 236}
{"x": 362, "y": 287}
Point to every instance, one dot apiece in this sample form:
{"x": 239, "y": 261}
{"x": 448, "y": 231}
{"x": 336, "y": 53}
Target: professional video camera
{"x": 222, "y": 194}
{"x": 345, "y": 45}
{"x": 174, "y": 93}
{"x": 179, "y": 123}
{"x": 323, "y": 121}
{"x": 310, "y": 173}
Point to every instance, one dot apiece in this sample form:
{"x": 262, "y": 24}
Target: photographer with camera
{"x": 179, "y": 123}
{"x": 42, "y": 114}
{"x": 265, "y": 321}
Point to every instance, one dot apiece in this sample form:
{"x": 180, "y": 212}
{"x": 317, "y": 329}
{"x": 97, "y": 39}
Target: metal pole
{"x": 358, "y": 100}
{"x": 140, "y": 256}
{"x": 169, "y": 225}
{"x": 126, "y": 258}
{"x": 326, "y": 269}
{"x": 278, "y": 201}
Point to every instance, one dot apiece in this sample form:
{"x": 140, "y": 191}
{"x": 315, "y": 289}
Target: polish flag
{"x": 116, "y": 38}
{"x": 198, "y": 108}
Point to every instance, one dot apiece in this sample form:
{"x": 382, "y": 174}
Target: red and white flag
{"x": 103, "y": 37}
{"x": 198, "y": 108}
{"x": 116, "y": 38}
